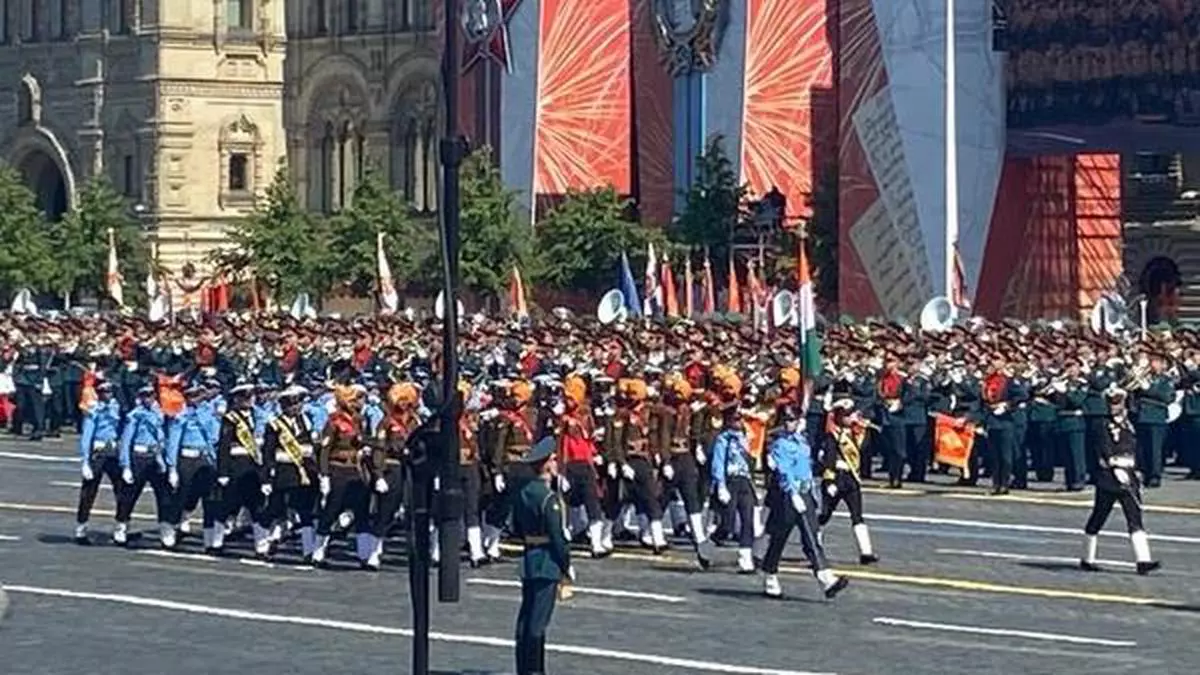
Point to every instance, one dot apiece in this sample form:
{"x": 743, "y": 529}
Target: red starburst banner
{"x": 583, "y": 106}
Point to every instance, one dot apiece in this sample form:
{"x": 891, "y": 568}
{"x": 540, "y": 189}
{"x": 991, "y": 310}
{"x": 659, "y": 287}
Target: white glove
{"x": 498, "y": 482}
{"x": 266, "y": 489}
{"x": 381, "y": 486}
{"x": 323, "y": 485}
{"x": 571, "y": 573}
{"x": 1122, "y": 476}
{"x": 831, "y": 489}
{"x": 628, "y": 472}
{"x": 598, "y": 459}
{"x": 612, "y": 471}
{"x": 701, "y": 458}
{"x": 559, "y": 408}
{"x": 127, "y": 476}
{"x": 1060, "y": 387}
{"x": 564, "y": 485}
{"x": 798, "y": 504}
{"x": 668, "y": 472}
{"x": 173, "y": 479}
{"x": 223, "y": 481}
{"x": 86, "y": 471}
{"x": 723, "y": 495}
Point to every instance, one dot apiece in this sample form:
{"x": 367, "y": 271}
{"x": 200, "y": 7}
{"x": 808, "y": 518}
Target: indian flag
{"x": 806, "y": 316}
{"x": 112, "y": 278}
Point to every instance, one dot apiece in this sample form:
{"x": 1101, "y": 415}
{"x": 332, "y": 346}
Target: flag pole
{"x": 951, "y": 149}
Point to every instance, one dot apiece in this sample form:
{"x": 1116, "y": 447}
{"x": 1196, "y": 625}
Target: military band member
{"x": 1019, "y": 396}
{"x": 539, "y": 524}
{"x": 471, "y": 471}
{"x": 1043, "y": 422}
{"x": 1155, "y": 393}
{"x": 1070, "y": 391}
{"x": 98, "y": 459}
{"x": 192, "y": 450}
{"x": 1095, "y": 410}
{"x": 1117, "y": 482}
{"x": 676, "y": 438}
{"x": 1189, "y": 421}
{"x": 894, "y": 395}
{"x": 143, "y": 460}
{"x": 840, "y": 457}
{"x": 290, "y": 465}
{"x": 919, "y": 442}
{"x": 792, "y": 460}
{"x": 1000, "y": 424}
{"x": 579, "y": 459}
{"x": 731, "y": 479}
{"x": 342, "y": 477}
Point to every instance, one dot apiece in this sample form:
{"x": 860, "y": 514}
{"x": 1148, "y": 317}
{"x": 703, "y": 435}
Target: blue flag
{"x": 629, "y": 288}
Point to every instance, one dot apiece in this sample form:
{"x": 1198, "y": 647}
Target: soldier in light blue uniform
{"x": 266, "y": 408}
{"x": 98, "y": 458}
{"x": 192, "y": 457}
{"x": 317, "y": 409}
{"x": 791, "y": 456}
{"x": 373, "y": 413}
{"x": 731, "y": 482}
{"x": 143, "y": 460}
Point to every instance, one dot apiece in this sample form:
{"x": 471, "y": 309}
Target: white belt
{"x": 191, "y": 453}
{"x": 101, "y": 446}
{"x": 842, "y": 465}
{"x": 238, "y": 451}
{"x": 285, "y": 458}
{"x": 144, "y": 449}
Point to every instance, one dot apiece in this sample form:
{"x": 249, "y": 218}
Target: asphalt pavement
{"x": 967, "y": 583}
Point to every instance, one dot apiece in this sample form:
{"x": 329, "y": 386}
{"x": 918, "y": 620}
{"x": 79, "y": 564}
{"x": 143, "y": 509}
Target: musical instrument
{"x": 938, "y": 315}
{"x": 23, "y": 303}
{"x": 783, "y": 309}
{"x": 1110, "y": 314}
{"x": 612, "y": 308}
{"x": 1137, "y": 378}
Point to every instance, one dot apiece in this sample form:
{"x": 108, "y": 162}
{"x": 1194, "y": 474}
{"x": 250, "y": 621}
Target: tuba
{"x": 23, "y": 303}
{"x": 1109, "y": 315}
{"x": 938, "y": 314}
{"x": 783, "y": 309}
{"x": 612, "y": 307}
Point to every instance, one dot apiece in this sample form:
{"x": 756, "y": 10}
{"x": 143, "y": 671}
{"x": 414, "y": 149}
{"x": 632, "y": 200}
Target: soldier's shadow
{"x": 757, "y": 596}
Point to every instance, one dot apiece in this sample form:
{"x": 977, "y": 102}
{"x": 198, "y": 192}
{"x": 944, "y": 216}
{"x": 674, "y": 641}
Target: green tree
{"x": 80, "y": 244}
{"x": 493, "y": 237}
{"x": 823, "y": 233}
{"x": 284, "y": 246}
{"x": 580, "y": 241}
{"x": 377, "y": 208}
{"x": 715, "y": 203}
{"x": 25, "y": 258}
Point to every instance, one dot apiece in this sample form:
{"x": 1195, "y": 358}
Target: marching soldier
{"x": 471, "y": 472}
{"x": 732, "y": 482}
{"x": 577, "y": 450}
{"x": 676, "y": 438}
{"x": 98, "y": 459}
{"x": 1117, "y": 482}
{"x": 638, "y": 461}
{"x": 240, "y": 472}
{"x": 290, "y": 465}
{"x": 792, "y": 460}
{"x": 518, "y": 427}
{"x": 539, "y": 523}
{"x": 343, "y": 480}
{"x": 192, "y": 458}
{"x": 840, "y": 459}
{"x": 388, "y": 465}
{"x": 1095, "y": 410}
{"x": 143, "y": 460}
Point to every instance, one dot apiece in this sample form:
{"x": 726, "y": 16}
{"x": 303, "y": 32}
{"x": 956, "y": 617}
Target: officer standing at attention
{"x": 538, "y": 515}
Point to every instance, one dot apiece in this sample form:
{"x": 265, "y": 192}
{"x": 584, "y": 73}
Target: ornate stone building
{"x": 184, "y": 104}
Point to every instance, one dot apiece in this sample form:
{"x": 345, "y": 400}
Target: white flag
{"x": 113, "y": 278}
{"x": 389, "y": 300}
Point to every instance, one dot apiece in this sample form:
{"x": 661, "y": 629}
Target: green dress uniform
{"x": 1095, "y": 417}
{"x": 1071, "y": 433}
{"x": 1189, "y": 422}
{"x": 1018, "y": 389}
{"x": 1152, "y": 427}
{"x": 1043, "y": 429}
{"x": 919, "y": 439}
{"x": 538, "y": 522}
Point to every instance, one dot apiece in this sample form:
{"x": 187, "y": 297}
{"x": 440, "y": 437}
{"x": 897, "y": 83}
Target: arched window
{"x": 240, "y": 163}
{"x": 239, "y": 14}
{"x": 414, "y": 147}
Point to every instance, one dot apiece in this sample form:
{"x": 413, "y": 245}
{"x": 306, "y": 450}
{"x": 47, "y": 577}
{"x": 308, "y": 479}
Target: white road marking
{"x": 1003, "y": 632}
{"x": 60, "y": 459}
{"x": 55, "y": 508}
{"x": 1073, "y": 503}
{"x": 270, "y": 565}
{"x": 1016, "y": 527}
{"x": 178, "y": 556}
{"x": 999, "y": 555}
{"x": 9, "y": 537}
{"x": 348, "y": 626}
{"x": 74, "y": 485}
{"x": 584, "y": 590}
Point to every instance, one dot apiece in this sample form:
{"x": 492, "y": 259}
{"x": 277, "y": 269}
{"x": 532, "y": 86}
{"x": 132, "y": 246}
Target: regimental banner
{"x": 583, "y": 101}
{"x": 789, "y": 64}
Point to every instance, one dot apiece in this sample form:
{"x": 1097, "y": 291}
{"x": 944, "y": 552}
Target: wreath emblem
{"x": 689, "y": 37}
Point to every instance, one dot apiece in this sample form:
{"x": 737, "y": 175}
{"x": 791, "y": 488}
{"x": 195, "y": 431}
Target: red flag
{"x": 670, "y": 299}
{"x": 710, "y": 291}
{"x": 733, "y": 301}
{"x": 689, "y": 289}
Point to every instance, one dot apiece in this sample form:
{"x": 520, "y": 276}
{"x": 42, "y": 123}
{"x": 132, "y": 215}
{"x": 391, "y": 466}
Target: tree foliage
{"x": 715, "y": 203}
{"x": 581, "y": 240}
{"x": 80, "y": 244}
{"x": 289, "y": 249}
{"x": 823, "y": 233}
{"x": 493, "y": 237}
{"x": 374, "y": 208}
{"x": 25, "y": 256}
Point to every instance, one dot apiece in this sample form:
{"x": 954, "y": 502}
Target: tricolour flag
{"x": 806, "y": 317}
{"x": 112, "y": 279}
{"x": 629, "y": 289}
{"x": 389, "y": 299}
{"x": 733, "y": 297}
{"x": 652, "y": 289}
{"x": 689, "y": 289}
{"x": 516, "y": 295}
{"x": 710, "y": 290}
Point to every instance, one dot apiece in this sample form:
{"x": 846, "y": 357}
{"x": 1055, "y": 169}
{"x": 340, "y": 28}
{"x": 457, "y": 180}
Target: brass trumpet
{"x": 1138, "y": 378}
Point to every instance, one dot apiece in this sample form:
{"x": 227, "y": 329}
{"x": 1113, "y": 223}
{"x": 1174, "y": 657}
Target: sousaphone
{"x": 1109, "y": 315}
{"x": 612, "y": 307}
{"x": 938, "y": 314}
{"x": 783, "y": 309}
